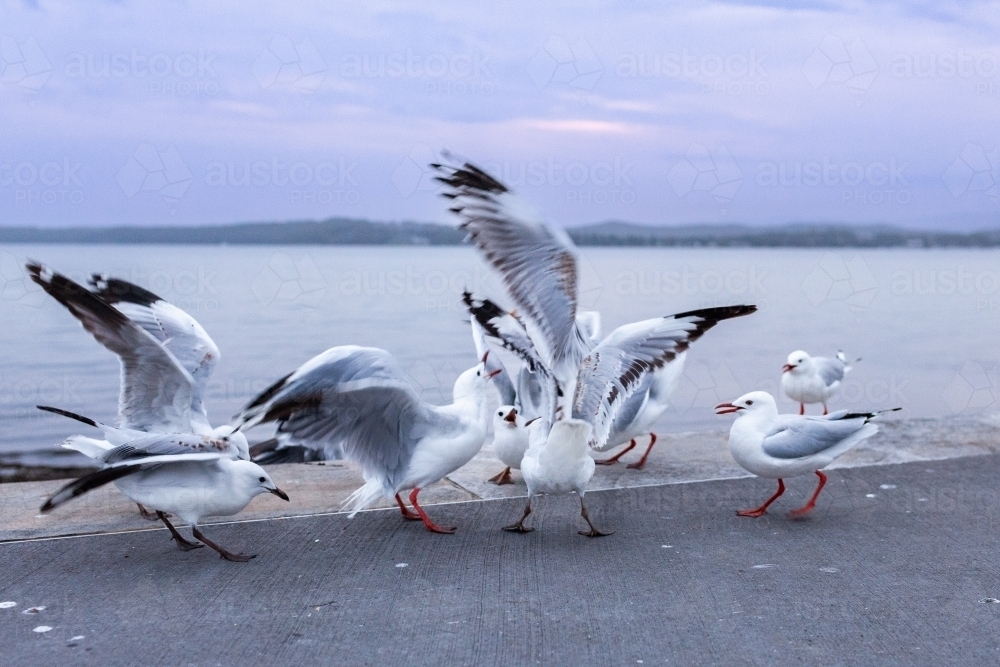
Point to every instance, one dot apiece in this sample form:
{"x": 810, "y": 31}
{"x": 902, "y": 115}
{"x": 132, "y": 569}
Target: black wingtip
{"x": 71, "y": 415}
{"x": 80, "y": 486}
{"x": 115, "y": 290}
{"x": 719, "y": 313}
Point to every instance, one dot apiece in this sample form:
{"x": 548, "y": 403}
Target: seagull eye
{"x": 263, "y": 479}
{"x": 749, "y": 402}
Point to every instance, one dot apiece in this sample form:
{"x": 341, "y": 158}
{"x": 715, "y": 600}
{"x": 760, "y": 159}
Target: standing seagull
{"x": 813, "y": 379}
{"x": 185, "y": 475}
{"x": 357, "y": 399}
{"x": 778, "y": 446}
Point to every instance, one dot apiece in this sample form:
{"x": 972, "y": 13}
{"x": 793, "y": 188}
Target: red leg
{"x": 802, "y": 408}
{"x": 502, "y": 478}
{"x": 825, "y": 411}
{"x": 811, "y": 505}
{"x": 641, "y": 462}
{"x": 405, "y": 511}
{"x": 431, "y": 526}
{"x": 614, "y": 459}
{"x": 763, "y": 508}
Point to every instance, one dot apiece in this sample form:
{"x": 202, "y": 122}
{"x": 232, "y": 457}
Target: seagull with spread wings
{"x": 356, "y": 400}
{"x": 777, "y": 446}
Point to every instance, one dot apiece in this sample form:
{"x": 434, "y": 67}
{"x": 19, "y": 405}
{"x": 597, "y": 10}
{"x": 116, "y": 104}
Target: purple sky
{"x": 196, "y": 113}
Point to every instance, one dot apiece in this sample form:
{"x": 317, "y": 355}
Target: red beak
{"x": 726, "y": 408}
{"x": 493, "y": 373}
{"x": 511, "y": 417}
{"x": 786, "y": 368}
{"x": 485, "y": 355}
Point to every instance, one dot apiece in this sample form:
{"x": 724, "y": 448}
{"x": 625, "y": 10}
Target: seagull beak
{"x": 485, "y": 355}
{"x": 726, "y": 408}
{"x": 511, "y": 417}
{"x": 786, "y": 368}
{"x": 493, "y": 373}
{"x": 281, "y": 494}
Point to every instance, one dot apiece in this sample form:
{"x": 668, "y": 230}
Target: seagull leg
{"x": 146, "y": 514}
{"x": 641, "y": 462}
{"x": 593, "y": 532}
{"x": 802, "y": 408}
{"x": 825, "y": 411}
{"x": 760, "y": 511}
{"x": 811, "y": 505}
{"x": 405, "y": 511}
{"x": 519, "y": 527}
{"x": 182, "y": 544}
{"x": 236, "y": 558}
{"x": 430, "y": 525}
{"x": 502, "y": 478}
{"x": 614, "y": 459}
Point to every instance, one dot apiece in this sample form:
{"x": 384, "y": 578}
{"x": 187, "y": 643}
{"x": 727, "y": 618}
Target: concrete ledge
{"x": 322, "y": 488}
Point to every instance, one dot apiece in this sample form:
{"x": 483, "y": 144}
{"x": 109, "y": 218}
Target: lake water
{"x": 924, "y": 321}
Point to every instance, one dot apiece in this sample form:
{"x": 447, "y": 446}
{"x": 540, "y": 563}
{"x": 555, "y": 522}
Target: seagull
{"x": 510, "y": 441}
{"x": 356, "y": 399}
{"x": 537, "y": 263}
{"x": 778, "y": 446}
{"x": 186, "y": 475}
{"x": 607, "y": 377}
{"x": 166, "y": 356}
{"x": 813, "y": 379}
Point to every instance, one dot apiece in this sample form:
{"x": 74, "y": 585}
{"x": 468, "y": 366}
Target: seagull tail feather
{"x": 364, "y": 497}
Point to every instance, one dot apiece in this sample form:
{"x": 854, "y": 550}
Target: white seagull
{"x": 186, "y": 475}
{"x": 813, "y": 379}
{"x": 356, "y": 400}
{"x": 538, "y": 265}
{"x": 778, "y": 446}
{"x": 166, "y": 357}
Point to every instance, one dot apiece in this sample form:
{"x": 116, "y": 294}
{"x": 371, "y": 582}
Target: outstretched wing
{"x": 172, "y": 444}
{"x": 354, "y": 398}
{"x": 156, "y": 390}
{"x": 180, "y": 333}
{"x": 617, "y": 367}
{"x": 536, "y": 261}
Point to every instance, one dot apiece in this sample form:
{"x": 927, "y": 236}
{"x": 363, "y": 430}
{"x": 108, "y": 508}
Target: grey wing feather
{"x": 630, "y": 408}
{"x": 536, "y": 261}
{"x": 795, "y": 437}
{"x": 531, "y": 395}
{"x": 616, "y": 368}
{"x": 355, "y": 398}
{"x": 169, "y": 445}
{"x": 831, "y": 370}
{"x": 156, "y": 390}
{"x": 501, "y": 381}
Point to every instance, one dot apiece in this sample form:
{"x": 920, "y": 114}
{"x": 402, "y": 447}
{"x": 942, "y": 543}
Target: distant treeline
{"x": 345, "y": 231}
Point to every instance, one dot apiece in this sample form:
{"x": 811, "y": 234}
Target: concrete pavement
{"x": 896, "y": 567}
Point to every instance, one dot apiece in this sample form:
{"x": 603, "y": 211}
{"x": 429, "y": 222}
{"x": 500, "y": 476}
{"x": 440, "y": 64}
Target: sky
{"x": 175, "y": 113}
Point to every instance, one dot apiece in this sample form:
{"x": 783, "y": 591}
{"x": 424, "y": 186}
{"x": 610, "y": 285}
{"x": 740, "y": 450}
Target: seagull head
{"x": 755, "y": 401}
{"x": 505, "y": 417}
{"x": 255, "y": 480}
{"x": 798, "y": 362}
{"x": 473, "y": 382}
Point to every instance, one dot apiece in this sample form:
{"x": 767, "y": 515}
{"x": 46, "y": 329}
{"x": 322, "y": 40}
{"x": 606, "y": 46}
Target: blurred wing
{"x": 156, "y": 390}
{"x": 617, "y": 367}
{"x": 533, "y": 395}
{"x": 795, "y": 437}
{"x": 180, "y": 333}
{"x": 831, "y": 370}
{"x": 174, "y": 444}
{"x": 536, "y": 261}
{"x": 354, "y": 398}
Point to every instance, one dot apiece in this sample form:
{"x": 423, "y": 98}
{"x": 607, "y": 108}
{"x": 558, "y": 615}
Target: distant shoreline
{"x": 346, "y": 231}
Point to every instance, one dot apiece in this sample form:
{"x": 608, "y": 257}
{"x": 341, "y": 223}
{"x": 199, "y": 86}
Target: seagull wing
{"x": 831, "y": 370}
{"x": 795, "y": 437}
{"x": 616, "y": 368}
{"x": 354, "y": 398}
{"x": 180, "y": 333}
{"x": 501, "y": 381}
{"x": 172, "y": 444}
{"x": 536, "y": 261}
{"x": 156, "y": 390}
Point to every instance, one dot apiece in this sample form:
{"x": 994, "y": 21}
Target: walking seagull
{"x": 356, "y": 400}
{"x": 779, "y": 446}
{"x": 808, "y": 379}
{"x": 185, "y": 475}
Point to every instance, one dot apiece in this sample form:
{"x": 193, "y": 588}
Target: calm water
{"x": 925, "y": 321}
